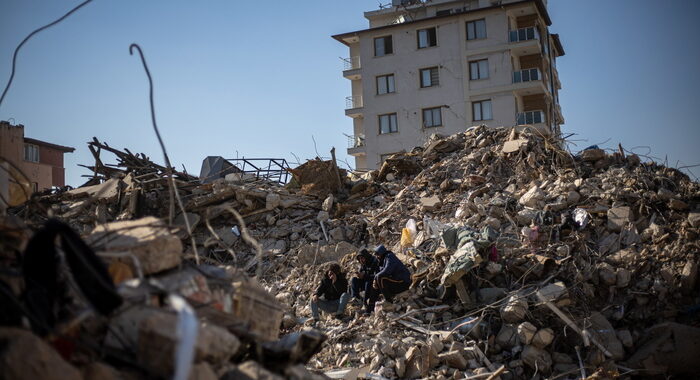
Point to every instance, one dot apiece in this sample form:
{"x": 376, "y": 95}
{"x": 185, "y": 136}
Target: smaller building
{"x": 41, "y": 162}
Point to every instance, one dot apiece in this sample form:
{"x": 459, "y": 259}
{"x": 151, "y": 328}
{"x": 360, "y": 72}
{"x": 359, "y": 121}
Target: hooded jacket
{"x": 393, "y": 268}
{"x": 332, "y": 291}
{"x": 370, "y": 267}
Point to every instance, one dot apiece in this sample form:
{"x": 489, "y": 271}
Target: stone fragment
{"x": 254, "y": 371}
{"x": 514, "y": 310}
{"x": 430, "y": 204}
{"x": 573, "y": 197}
{"x": 625, "y": 337}
{"x": 337, "y": 234}
{"x": 453, "y": 359}
{"x": 606, "y": 274}
{"x": 554, "y": 291}
{"x": 322, "y": 216}
{"x": 148, "y": 239}
{"x": 607, "y": 337}
{"x": 526, "y": 331}
{"x": 158, "y": 339}
{"x": 272, "y": 201}
{"x": 532, "y": 198}
{"x": 689, "y": 276}
{"x": 310, "y": 253}
{"x": 490, "y": 295}
{"x": 543, "y": 338}
{"x": 514, "y": 145}
{"x": 591, "y": 155}
{"x": 618, "y": 218}
{"x": 677, "y": 204}
{"x": 24, "y": 356}
{"x": 665, "y": 194}
{"x": 623, "y": 278}
{"x": 694, "y": 219}
{"x": 327, "y": 205}
{"x": 507, "y": 337}
{"x": 536, "y": 358}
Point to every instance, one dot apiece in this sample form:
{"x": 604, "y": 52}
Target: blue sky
{"x": 263, "y": 79}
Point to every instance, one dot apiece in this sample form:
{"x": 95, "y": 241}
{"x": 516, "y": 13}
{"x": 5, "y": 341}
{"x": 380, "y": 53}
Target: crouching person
{"x": 331, "y": 295}
{"x": 361, "y": 289}
{"x": 393, "y": 277}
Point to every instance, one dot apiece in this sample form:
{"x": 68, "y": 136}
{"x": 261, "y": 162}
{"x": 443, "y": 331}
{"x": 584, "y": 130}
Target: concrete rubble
{"x": 528, "y": 262}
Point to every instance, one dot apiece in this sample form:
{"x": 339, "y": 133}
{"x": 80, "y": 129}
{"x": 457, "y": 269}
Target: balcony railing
{"x": 353, "y": 102}
{"x": 351, "y": 63}
{"x": 356, "y": 141}
{"x": 524, "y": 34}
{"x": 530, "y": 117}
{"x": 526, "y": 75}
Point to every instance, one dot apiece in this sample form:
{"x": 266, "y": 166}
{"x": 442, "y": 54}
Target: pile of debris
{"x": 527, "y": 262}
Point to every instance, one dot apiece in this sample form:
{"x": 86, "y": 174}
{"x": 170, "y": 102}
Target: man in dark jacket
{"x": 331, "y": 295}
{"x": 393, "y": 277}
{"x": 362, "y": 282}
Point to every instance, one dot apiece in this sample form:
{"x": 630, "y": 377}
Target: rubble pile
{"x": 526, "y": 261}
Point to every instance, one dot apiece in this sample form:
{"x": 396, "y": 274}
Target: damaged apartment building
{"x": 442, "y": 66}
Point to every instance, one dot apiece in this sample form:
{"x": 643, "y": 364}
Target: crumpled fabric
{"x": 467, "y": 243}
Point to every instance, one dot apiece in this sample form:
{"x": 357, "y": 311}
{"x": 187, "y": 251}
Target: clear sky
{"x": 263, "y": 79}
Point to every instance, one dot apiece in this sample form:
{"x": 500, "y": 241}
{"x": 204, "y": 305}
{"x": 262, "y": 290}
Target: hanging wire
{"x": 14, "y": 56}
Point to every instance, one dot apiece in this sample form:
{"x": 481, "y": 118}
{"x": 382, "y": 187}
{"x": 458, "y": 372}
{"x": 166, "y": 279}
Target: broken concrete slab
{"x": 430, "y": 204}
{"x": 148, "y": 239}
{"x": 618, "y": 218}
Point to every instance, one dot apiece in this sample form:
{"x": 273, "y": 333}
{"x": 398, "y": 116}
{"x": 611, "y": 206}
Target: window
{"x": 429, "y": 77}
{"x": 385, "y": 84}
{"x": 482, "y": 110}
{"x": 387, "y": 123}
{"x": 476, "y": 29}
{"x": 31, "y": 153}
{"x": 526, "y": 75}
{"x": 530, "y": 117}
{"x": 427, "y": 38}
{"x": 432, "y": 117}
{"x": 383, "y": 46}
{"x": 479, "y": 69}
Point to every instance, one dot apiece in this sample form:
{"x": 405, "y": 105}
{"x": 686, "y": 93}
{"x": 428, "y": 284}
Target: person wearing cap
{"x": 362, "y": 281}
{"x": 393, "y": 276}
{"x": 331, "y": 295}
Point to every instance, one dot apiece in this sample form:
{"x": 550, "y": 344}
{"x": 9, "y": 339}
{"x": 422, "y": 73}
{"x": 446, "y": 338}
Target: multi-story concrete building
{"x": 442, "y": 66}
{"x": 27, "y": 164}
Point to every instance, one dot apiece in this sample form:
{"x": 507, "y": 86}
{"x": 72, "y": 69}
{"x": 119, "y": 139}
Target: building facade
{"x": 442, "y": 66}
{"x": 39, "y": 161}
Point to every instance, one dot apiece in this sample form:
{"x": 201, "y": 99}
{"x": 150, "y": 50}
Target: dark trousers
{"x": 358, "y": 285}
{"x": 390, "y": 287}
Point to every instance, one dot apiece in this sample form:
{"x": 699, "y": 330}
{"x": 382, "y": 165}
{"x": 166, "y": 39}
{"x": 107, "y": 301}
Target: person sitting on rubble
{"x": 362, "y": 281}
{"x": 331, "y": 295}
{"x": 393, "y": 277}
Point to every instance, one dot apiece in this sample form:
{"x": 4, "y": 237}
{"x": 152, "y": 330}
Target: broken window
{"x": 387, "y": 123}
{"x": 429, "y": 77}
{"x": 479, "y": 69}
{"x": 385, "y": 84}
{"x": 383, "y": 46}
{"x": 476, "y": 29}
{"x": 31, "y": 153}
{"x": 482, "y": 110}
{"x": 427, "y": 37}
{"x": 432, "y": 117}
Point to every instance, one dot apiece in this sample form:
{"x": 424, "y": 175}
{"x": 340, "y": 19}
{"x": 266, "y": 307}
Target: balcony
{"x": 353, "y": 106}
{"x": 351, "y": 68}
{"x": 524, "y": 34}
{"x": 356, "y": 145}
{"x": 527, "y": 75}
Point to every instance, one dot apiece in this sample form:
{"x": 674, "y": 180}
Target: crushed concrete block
{"x": 532, "y": 198}
{"x": 677, "y": 204}
{"x": 322, "y": 216}
{"x": 337, "y": 234}
{"x": 148, "y": 239}
{"x": 689, "y": 276}
{"x": 623, "y": 278}
{"x": 310, "y": 253}
{"x": 625, "y": 337}
{"x": 554, "y": 291}
{"x": 694, "y": 219}
{"x": 272, "y": 201}
{"x": 526, "y": 331}
{"x": 618, "y": 218}
{"x": 591, "y": 155}
{"x": 514, "y": 310}
{"x": 543, "y": 338}
{"x": 430, "y": 204}
{"x": 158, "y": 339}
{"x": 24, "y": 356}
{"x": 607, "y": 337}
{"x": 507, "y": 337}
{"x": 453, "y": 359}
{"x": 606, "y": 274}
{"x": 537, "y": 358}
